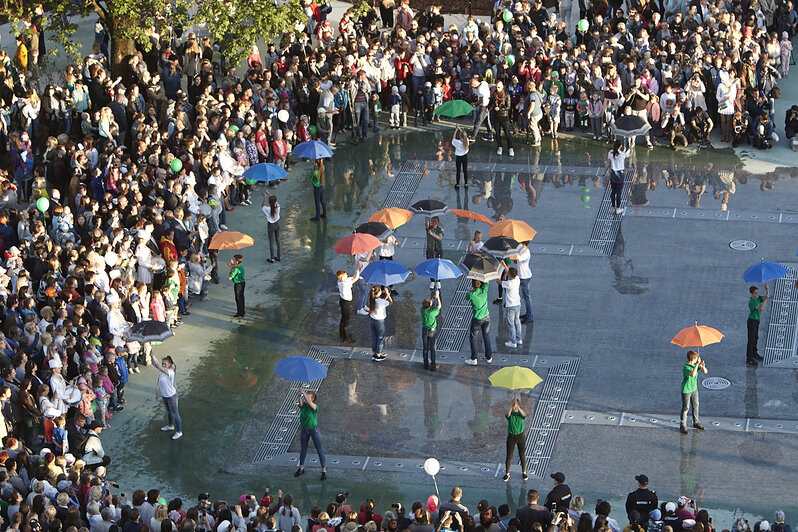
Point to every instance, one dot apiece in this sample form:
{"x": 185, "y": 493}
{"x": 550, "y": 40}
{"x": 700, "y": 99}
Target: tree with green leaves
{"x": 135, "y": 24}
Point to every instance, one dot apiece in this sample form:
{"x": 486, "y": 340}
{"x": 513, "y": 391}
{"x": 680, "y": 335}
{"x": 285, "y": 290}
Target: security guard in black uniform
{"x": 643, "y": 500}
{"x": 559, "y": 498}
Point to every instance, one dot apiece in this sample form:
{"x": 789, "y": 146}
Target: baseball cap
{"x": 642, "y": 479}
{"x": 559, "y": 477}
{"x": 682, "y": 501}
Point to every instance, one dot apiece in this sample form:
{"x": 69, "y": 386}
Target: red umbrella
{"x": 355, "y": 243}
{"x": 462, "y": 213}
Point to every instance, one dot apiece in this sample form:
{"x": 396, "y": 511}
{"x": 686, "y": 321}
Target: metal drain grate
{"x": 404, "y": 186}
{"x": 780, "y": 343}
{"x": 607, "y": 224}
{"x": 544, "y": 426}
{"x": 286, "y": 421}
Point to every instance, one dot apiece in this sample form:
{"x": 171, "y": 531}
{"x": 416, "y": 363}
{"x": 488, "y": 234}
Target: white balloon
{"x": 432, "y": 466}
{"x": 283, "y": 116}
{"x": 111, "y": 259}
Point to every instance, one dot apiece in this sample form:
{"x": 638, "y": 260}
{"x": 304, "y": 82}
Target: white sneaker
{"x": 519, "y": 342}
{"x": 167, "y": 428}
{"x": 432, "y": 285}
{"x": 489, "y": 360}
{"x": 363, "y": 312}
{"x": 177, "y": 435}
{"x": 499, "y": 151}
{"x": 470, "y": 362}
{"x": 223, "y": 227}
{"x": 511, "y": 344}
{"x": 512, "y": 153}
{"x": 438, "y": 285}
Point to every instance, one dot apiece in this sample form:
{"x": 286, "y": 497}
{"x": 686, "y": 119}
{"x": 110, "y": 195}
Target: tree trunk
{"x": 121, "y": 49}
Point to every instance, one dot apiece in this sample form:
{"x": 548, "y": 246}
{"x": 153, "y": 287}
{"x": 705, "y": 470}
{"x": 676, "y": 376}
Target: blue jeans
{"x": 361, "y": 119}
{"x": 304, "y": 436}
{"x": 525, "y": 299}
{"x": 428, "y": 337}
{"x": 513, "y": 315}
{"x": 484, "y": 325}
{"x": 174, "y": 415}
{"x": 377, "y": 336}
{"x": 687, "y": 399}
{"x": 362, "y": 293}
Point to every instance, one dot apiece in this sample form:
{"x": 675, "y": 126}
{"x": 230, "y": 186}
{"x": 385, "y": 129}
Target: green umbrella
{"x": 453, "y": 108}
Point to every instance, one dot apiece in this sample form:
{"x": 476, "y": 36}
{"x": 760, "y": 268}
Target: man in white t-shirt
{"x": 512, "y": 307}
{"x": 525, "y": 275}
{"x": 345, "y": 282}
{"x": 482, "y": 112}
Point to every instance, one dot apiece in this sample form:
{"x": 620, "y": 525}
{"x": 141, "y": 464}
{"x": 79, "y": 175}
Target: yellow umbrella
{"x": 515, "y": 378}
{"x": 230, "y": 240}
{"x": 393, "y": 217}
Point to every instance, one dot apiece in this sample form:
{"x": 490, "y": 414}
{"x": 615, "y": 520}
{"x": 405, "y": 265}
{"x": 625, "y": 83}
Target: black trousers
{"x": 513, "y": 441}
{"x": 238, "y": 290}
{"x": 461, "y": 163}
{"x": 615, "y": 193}
{"x": 343, "y": 326}
{"x": 753, "y": 338}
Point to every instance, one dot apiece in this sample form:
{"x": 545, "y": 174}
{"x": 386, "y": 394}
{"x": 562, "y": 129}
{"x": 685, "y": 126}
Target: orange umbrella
{"x": 471, "y": 215}
{"x": 230, "y": 240}
{"x": 355, "y": 243}
{"x": 697, "y": 336}
{"x": 393, "y": 217}
{"x": 515, "y": 229}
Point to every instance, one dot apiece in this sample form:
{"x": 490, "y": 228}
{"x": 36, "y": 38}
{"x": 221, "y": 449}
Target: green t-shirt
{"x": 690, "y": 383}
{"x": 428, "y": 317}
{"x": 479, "y": 301}
{"x": 754, "y": 302}
{"x": 433, "y": 243}
{"x": 307, "y": 416}
{"x": 237, "y": 274}
{"x": 314, "y": 178}
{"x": 515, "y": 423}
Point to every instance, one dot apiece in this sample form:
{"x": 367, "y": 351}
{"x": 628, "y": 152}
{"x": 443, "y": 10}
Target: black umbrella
{"x": 502, "y": 247}
{"x": 429, "y": 207}
{"x": 149, "y": 331}
{"x": 630, "y": 126}
{"x": 482, "y": 266}
{"x": 377, "y": 229}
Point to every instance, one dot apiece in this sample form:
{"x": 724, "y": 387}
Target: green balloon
{"x": 585, "y": 198}
{"x": 313, "y": 130}
{"x": 583, "y": 25}
{"x": 42, "y": 204}
{"x": 176, "y": 165}
{"x": 249, "y": 181}
{"x": 507, "y": 15}
{"x": 510, "y": 59}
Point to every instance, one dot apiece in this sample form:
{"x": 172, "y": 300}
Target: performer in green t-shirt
{"x": 430, "y": 308}
{"x": 515, "y": 437}
{"x": 690, "y": 389}
{"x": 309, "y": 428}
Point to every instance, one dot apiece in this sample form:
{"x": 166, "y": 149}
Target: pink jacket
{"x": 158, "y": 309}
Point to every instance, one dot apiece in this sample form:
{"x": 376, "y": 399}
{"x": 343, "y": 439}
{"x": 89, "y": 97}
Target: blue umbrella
{"x": 265, "y": 172}
{"x": 438, "y": 269}
{"x": 763, "y": 272}
{"x": 300, "y": 368}
{"x": 384, "y": 272}
{"x": 312, "y": 149}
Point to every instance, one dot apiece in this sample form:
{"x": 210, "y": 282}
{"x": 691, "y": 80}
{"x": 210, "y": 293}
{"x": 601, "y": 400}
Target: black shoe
{"x": 524, "y": 476}
{"x": 277, "y": 259}
{"x": 300, "y": 471}
{"x": 186, "y": 313}
{"x": 525, "y": 320}
{"x": 699, "y": 426}
{"x": 751, "y": 363}
{"x": 497, "y": 301}
{"x": 457, "y": 187}
{"x": 506, "y": 477}
{"x": 323, "y": 475}
{"x": 466, "y": 185}
{"x": 270, "y": 261}
{"x": 759, "y": 357}
{"x": 314, "y": 219}
{"x": 683, "y": 429}
{"x": 426, "y": 365}
{"x": 119, "y": 408}
{"x": 433, "y": 367}
{"x": 324, "y": 215}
